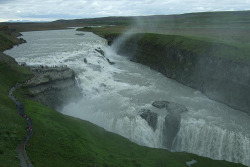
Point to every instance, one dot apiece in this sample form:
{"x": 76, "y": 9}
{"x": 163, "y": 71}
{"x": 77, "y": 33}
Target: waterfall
{"x": 114, "y": 94}
{"x": 200, "y": 137}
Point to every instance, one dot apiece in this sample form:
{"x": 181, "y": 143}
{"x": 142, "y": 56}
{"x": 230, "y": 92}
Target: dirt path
{"x": 24, "y": 159}
{"x": 41, "y": 72}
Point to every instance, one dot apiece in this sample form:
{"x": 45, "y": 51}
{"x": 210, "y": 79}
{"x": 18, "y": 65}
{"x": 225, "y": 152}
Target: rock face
{"x": 150, "y": 117}
{"x": 213, "y": 69}
{"x": 159, "y": 104}
{"x": 175, "y": 108}
{"x": 172, "y": 122}
{"x": 170, "y": 129}
{"x": 54, "y": 86}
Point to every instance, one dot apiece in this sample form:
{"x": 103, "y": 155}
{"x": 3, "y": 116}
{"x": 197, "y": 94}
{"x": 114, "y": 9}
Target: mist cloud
{"x": 68, "y": 9}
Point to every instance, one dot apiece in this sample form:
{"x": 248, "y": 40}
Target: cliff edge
{"x": 53, "y": 86}
{"x": 220, "y": 71}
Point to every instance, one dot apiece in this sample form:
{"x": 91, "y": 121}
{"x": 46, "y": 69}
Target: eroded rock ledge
{"x": 54, "y": 86}
{"x": 171, "y": 124}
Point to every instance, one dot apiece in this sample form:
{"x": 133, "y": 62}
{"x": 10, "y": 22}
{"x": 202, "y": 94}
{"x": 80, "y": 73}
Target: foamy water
{"x": 113, "y": 95}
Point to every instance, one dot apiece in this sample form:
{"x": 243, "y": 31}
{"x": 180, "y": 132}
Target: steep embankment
{"x": 8, "y": 38}
{"x": 220, "y": 71}
{"x": 12, "y": 126}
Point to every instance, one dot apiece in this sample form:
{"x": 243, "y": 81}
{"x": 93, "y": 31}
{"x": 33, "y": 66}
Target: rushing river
{"x": 113, "y": 95}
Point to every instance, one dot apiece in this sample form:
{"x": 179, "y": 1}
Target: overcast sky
{"x": 48, "y": 10}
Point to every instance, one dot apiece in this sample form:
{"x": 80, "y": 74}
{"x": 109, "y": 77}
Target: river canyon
{"x": 117, "y": 92}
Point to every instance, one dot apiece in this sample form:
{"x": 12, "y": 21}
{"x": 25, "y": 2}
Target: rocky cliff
{"x": 54, "y": 86}
{"x": 171, "y": 124}
{"x": 220, "y": 71}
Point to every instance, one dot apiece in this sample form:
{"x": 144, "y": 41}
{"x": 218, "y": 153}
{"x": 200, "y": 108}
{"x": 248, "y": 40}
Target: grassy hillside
{"x": 6, "y": 41}
{"x": 12, "y": 126}
{"x": 230, "y": 27}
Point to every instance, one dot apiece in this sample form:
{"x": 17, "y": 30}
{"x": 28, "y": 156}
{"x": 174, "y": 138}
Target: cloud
{"x": 6, "y": 1}
{"x": 68, "y": 9}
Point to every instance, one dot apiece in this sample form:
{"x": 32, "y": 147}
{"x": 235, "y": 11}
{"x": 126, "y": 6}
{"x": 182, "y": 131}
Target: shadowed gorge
{"x": 220, "y": 71}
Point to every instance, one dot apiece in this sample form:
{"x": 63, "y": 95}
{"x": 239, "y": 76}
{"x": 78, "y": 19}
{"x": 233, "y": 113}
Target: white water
{"x": 114, "y": 94}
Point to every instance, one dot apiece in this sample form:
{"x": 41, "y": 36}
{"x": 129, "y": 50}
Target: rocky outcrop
{"x": 170, "y": 125}
{"x": 175, "y": 108}
{"x": 54, "y": 86}
{"x": 150, "y": 117}
{"x": 99, "y": 50}
{"x": 172, "y": 121}
{"x": 170, "y": 129}
{"x": 159, "y": 104}
{"x": 214, "y": 69}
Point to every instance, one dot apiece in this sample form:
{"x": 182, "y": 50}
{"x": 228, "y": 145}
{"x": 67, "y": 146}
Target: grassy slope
{"x": 6, "y": 41}
{"x": 12, "y": 126}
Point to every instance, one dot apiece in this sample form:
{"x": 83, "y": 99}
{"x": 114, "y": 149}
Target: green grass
{"x": 198, "y": 44}
{"x": 12, "y": 126}
{"x": 105, "y": 31}
{"x": 6, "y": 42}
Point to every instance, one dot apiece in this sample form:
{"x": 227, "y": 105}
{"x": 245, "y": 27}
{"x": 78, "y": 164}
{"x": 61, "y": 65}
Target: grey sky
{"x": 41, "y": 10}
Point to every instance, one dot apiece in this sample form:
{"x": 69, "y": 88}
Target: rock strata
{"x": 170, "y": 106}
{"x": 53, "y": 86}
{"x": 150, "y": 117}
{"x": 175, "y": 108}
{"x": 172, "y": 121}
{"x": 159, "y": 104}
{"x": 99, "y": 50}
{"x": 170, "y": 129}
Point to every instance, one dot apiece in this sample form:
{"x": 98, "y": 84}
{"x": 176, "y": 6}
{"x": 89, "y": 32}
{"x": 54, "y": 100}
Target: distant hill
{"x": 235, "y": 18}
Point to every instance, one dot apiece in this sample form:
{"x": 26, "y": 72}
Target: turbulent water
{"x": 113, "y": 95}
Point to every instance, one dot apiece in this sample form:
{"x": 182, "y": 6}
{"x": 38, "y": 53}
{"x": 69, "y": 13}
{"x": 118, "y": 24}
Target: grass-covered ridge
{"x": 232, "y": 50}
{"x": 8, "y": 38}
{"x": 197, "y": 46}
